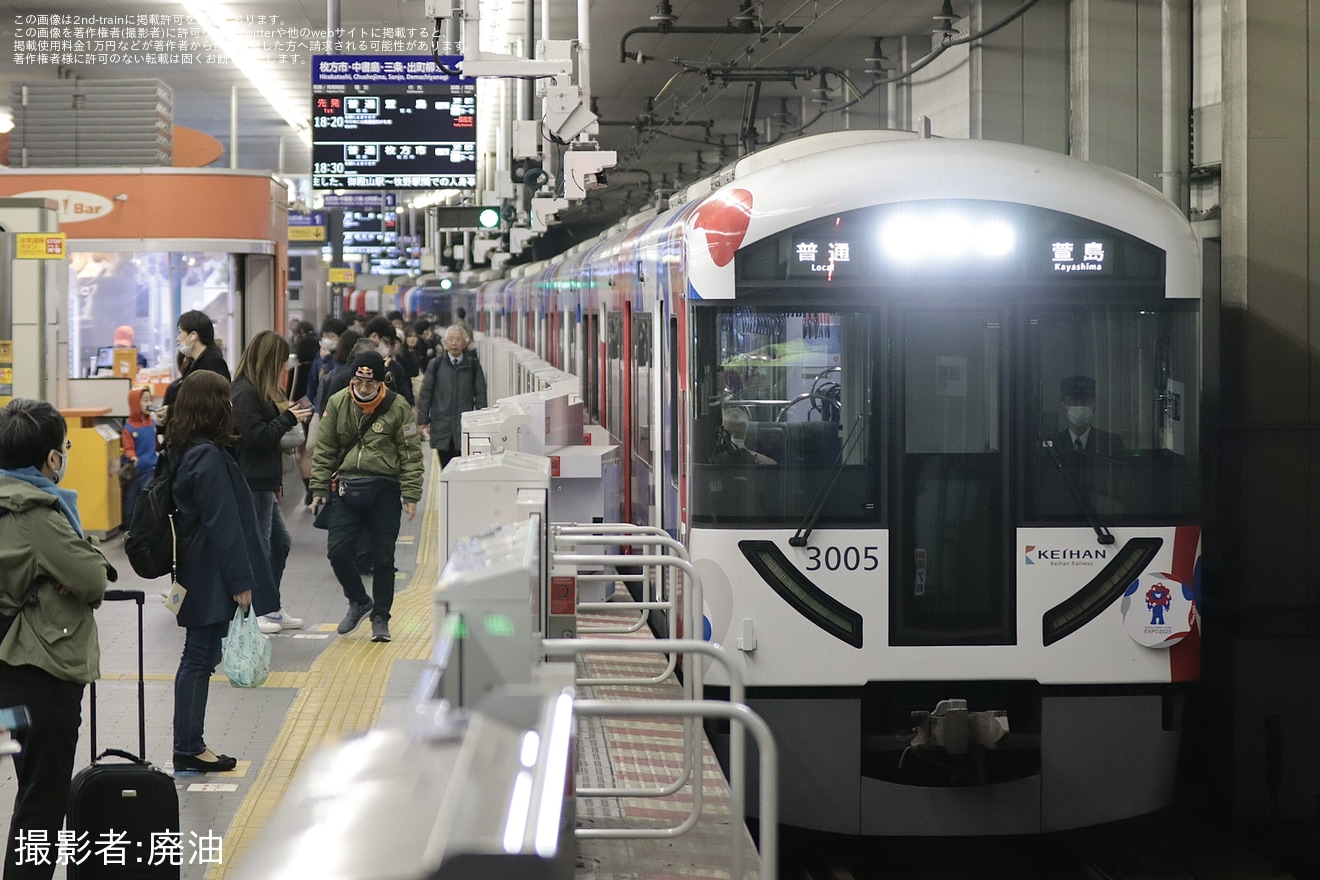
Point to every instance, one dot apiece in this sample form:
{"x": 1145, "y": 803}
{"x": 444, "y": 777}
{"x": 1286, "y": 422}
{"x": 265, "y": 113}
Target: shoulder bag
{"x": 338, "y": 487}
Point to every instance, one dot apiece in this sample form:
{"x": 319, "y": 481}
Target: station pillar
{"x": 33, "y": 295}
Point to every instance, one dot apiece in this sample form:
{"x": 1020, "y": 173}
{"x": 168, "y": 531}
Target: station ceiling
{"x": 672, "y": 118}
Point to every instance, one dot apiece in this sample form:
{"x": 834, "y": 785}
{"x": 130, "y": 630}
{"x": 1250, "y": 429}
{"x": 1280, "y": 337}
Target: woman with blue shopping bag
{"x": 221, "y": 563}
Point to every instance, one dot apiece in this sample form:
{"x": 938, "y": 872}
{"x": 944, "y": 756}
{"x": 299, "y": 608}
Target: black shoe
{"x": 354, "y": 616}
{"x": 192, "y": 762}
{"x": 380, "y": 630}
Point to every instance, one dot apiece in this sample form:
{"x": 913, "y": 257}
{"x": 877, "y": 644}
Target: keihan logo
{"x": 1036, "y": 554}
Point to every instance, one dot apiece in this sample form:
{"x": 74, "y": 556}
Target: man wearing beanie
{"x": 367, "y": 467}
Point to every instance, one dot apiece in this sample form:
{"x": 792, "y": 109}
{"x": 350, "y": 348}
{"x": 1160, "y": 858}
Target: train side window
{"x": 672, "y": 369}
{"x": 641, "y": 402}
{"x": 614, "y": 373}
{"x": 591, "y": 365}
{"x": 572, "y": 329}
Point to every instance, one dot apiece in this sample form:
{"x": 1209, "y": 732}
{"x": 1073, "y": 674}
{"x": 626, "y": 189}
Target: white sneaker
{"x": 282, "y": 621}
{"x": 269, "y": 627}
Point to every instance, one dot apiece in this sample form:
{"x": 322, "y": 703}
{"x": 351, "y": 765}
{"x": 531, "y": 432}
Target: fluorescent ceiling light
{"x": 213, "y": 20}
{"x": 434, "y": 197}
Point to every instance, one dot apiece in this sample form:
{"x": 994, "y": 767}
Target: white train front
{"x": 926, "y": 413}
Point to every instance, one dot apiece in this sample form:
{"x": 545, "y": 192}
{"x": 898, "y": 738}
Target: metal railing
{"x": 741, "y": 716}
{"x": 691, "y": 609}
{"x": 690, "y": 709}
{"x": 627, "y": 534}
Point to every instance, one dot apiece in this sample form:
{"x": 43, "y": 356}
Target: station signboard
{"x": 392, "y": 122}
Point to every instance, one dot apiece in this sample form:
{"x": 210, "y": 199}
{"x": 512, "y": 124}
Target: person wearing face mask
{"x": 323, "y": 364}
{"x": 197, "y": 350}
{"x": 51, "y": 579}
{"x": 380, "y": 331}
{"x": 1081, "y": 437}
{"x": 369, "y": 448}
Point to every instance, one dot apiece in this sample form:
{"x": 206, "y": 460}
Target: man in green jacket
{"x": 51, "y": 578}
{"x": 370, "y": 472}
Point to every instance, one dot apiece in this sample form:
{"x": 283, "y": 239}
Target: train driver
{"x": 732, "y": 448}
{"x": 1077, "y": 400}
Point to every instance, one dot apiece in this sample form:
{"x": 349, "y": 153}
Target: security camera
{"x": 584, "y": 170}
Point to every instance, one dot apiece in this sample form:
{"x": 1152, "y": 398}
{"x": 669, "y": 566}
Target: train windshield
{"x": 783, "y": 421}
{"x": 1113, "y": 415}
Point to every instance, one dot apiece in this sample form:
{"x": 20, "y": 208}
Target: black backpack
{"x": 149, "y": 543}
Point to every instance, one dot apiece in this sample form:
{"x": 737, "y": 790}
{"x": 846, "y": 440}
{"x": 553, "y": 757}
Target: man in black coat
{"x": 454, "y": 384}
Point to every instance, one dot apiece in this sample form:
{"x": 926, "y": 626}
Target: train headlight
{"x": 798, "y": 591}
{"x": 904, "y": 239}
{"x": 994, "y": 238}
{"x": 1100, "y": 592}
{"x": 909, "y": 238}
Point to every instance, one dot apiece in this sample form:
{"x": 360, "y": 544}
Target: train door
{"x": 951, "y": 582}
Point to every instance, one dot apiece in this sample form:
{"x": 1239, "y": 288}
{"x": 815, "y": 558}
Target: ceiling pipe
{"x": 332, "y": 27}
{"x": 584, "y": 47}
{"x": 746, "y": 23}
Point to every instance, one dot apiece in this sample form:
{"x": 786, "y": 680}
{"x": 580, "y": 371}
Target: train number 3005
{"x": 843, "y": 558}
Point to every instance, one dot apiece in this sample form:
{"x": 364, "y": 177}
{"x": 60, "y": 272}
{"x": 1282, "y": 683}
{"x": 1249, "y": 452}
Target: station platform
{"x": 324, "y": 687}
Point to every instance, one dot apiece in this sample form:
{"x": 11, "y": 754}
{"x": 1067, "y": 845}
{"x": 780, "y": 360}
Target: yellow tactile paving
{"x": 341, "y": 693}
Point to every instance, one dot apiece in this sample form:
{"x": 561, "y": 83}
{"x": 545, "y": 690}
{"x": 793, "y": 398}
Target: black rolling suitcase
{"x": 125, "y": 811}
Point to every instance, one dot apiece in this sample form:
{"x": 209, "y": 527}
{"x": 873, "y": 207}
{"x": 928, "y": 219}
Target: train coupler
{"x": 952, "y": 728}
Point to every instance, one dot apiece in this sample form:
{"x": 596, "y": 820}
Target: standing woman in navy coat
{"x": 221, "y": 563}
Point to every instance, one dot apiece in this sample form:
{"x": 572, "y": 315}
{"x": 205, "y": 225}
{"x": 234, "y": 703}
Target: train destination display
{"x": 392, "y": 122}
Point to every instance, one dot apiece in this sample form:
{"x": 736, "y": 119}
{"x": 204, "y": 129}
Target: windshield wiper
{"x": 1102, "y": 534}
{"x": 803, "y": 532}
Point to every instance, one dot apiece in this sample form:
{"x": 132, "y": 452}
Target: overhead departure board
{"x": 392, "y": 122}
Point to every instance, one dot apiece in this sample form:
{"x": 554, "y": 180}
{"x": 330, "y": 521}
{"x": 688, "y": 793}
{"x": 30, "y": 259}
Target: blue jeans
{"x": 141, "y": 477}
{"x": 274, "y": 536}
{"x": 192, "y": 685}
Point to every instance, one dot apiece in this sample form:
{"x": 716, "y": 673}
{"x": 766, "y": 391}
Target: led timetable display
{"x": 392, "y": 122}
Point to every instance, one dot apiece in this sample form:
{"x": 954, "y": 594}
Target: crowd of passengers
{"x": 352, "y": 405}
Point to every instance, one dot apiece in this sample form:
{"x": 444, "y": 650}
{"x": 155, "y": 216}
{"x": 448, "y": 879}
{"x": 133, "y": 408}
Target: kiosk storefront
{"x": 146, "y": 245}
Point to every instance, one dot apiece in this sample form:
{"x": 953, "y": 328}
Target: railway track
{"x": 1115, "y": 852}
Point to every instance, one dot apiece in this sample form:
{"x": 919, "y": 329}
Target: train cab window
{"x": 783, "y": 419}
{"x": 1112, "y": 416}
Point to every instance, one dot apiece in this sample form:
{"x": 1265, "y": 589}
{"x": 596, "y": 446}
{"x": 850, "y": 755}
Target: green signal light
{"x": 446, "y": 283}
{"x": 488, "y": 218}
{"x": 498, "y": 625}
